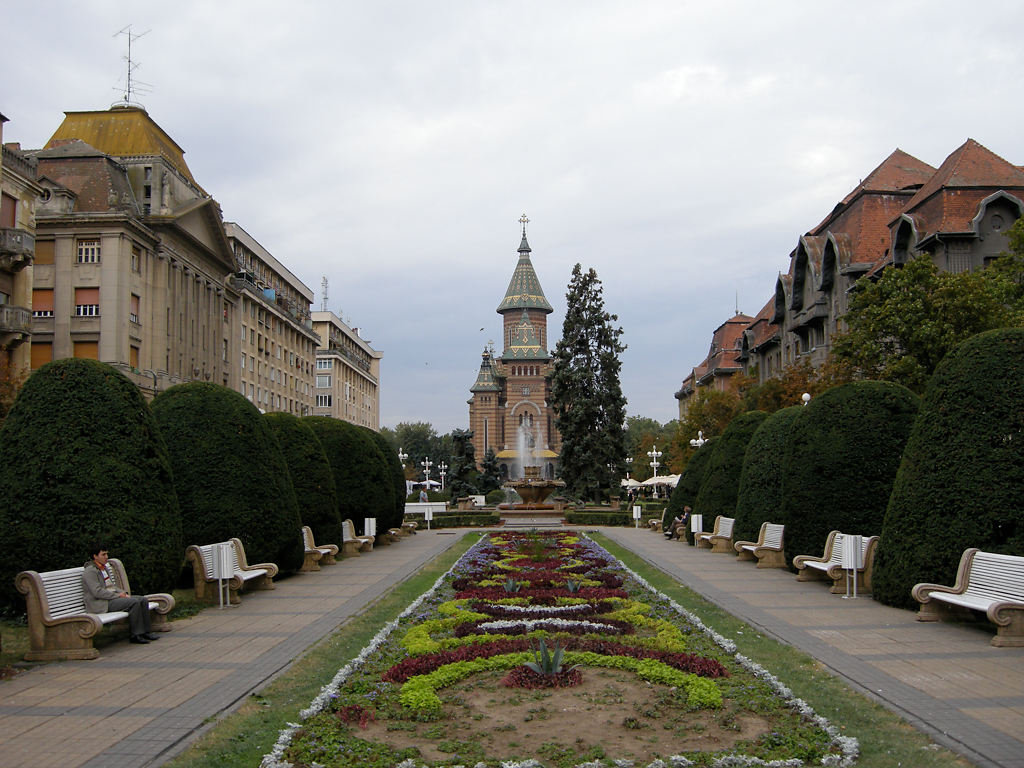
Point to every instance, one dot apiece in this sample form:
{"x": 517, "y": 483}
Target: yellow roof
{"x": 122, "y": 132}
{"x": 509, "y": 453}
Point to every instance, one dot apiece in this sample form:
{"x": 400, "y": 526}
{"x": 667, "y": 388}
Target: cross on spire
{"x": 524, "y": 221}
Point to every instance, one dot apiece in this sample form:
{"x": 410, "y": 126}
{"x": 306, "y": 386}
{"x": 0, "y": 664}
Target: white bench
{"x": 316, "y": 555}
{"x": 767, "y": 550}
{"x": 719, "y": 539}
{"x": 351, "y": 539}
{"x": 829, "y": 565}
{"x": 419, "y": 507}
{"x": 256, "y": 576}
{"x": 60, "y": 627}
{"x": 985, "y": 581}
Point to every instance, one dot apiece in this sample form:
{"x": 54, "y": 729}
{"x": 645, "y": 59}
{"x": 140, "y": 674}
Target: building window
{"x": 88, "y": 251}
{"x": 323, "y": 365}
{"x": 133, "y": 357}
{"x": 42, "y": 302}
{"x": 136, "y": 259}
{"x": 87, "y": 349}
{"x": 323, "y": 381}
{"x": 44, "y": 252}
{"x": 42, "y": 353}
{"x": 323, "y": 401}
{"x": 243, "y": 365}
{"x": 133, "y": 309}
{"x": 87, "y": 302}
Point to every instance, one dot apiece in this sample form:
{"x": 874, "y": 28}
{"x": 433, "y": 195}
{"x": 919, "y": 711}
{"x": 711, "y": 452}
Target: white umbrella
{"x": 630, "y": 483}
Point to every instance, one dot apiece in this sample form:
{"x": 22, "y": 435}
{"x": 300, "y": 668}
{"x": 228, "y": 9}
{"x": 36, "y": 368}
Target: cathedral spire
{"x": 524, "y": 291}
{"x": 524, "y": 247}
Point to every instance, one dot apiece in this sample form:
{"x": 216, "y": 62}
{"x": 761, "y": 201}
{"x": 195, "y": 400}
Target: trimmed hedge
{"x": 311, "y": 475}
{"x": 960, "y": 483}
{"x": 81, "y": 459}
{"x": 361, "y": 476}
{"x": 460, "y": 520}
{"x": 230, "y": 475}
{"x": 843, "y": 453}
{"x": 690, "y": 481}
{"x": 717, "y": 495}
{"x": 759, "y": 498}
{"x": 599, "y": 518}
{"x": 394, "y": 466}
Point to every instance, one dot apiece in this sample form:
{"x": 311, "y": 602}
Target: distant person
{"x": 103, "y": 595}
{"x": 674, "y": 527}
{"x": 423, "y": 496}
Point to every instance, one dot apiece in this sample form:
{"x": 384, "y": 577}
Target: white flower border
{"x": 848, "y": 745}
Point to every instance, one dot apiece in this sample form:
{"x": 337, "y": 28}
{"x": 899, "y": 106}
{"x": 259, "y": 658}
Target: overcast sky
{"x": 678, "y": 148}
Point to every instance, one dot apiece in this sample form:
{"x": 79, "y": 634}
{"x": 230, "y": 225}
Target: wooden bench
{"x": 316, "y": 555}
{"x": 829, "y": 565}
{"x": 985, "y": 581}
{"x": 59, "y": 626}
{"x": 409, "y": 527}
{"x": 767, "y": 550}
{"x": 255, "y": 576}
{"x": 719, "y": 539}
{"x": 654, "y": 523}
{"x": 361, "y": 543}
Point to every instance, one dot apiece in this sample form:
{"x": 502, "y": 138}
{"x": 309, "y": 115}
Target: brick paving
{"x": 138, "y": 706}
{"x": 945, "y": 679}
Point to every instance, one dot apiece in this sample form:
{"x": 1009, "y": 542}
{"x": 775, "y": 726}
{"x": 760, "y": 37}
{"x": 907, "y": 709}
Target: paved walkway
{"x": 945, "y": 679}
{"x": 140, "y": 705}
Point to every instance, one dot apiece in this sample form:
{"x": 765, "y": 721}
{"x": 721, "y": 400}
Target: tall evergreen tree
{"x": 462, "y": 465}
{"x": 490, "y": 472}
{"x": 590, "y": 410}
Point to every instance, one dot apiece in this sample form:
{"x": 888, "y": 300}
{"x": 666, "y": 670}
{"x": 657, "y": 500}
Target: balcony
{"x": 15, "y": 323}
{"x": 16, "y": 248}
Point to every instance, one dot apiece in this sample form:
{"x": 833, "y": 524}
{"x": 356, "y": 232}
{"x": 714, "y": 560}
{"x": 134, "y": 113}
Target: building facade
{"x": 277, "y": 343}
{"x": 19, "y": 194}
{"x": 347, "y": 373}
{"x": 509, "y": 410}
{"x": 958, "y": 214}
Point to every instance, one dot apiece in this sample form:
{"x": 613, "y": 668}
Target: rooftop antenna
{"x": 323, "y": 292}
{"x": 130, "y": 86}
{"x": 737, "y": 302}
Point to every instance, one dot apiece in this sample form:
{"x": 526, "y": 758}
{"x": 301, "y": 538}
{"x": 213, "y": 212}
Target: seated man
{"x": 678, "y": 526}
{"x": 103, "y": 595}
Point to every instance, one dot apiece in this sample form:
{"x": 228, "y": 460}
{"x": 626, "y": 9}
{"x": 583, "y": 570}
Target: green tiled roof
{"x": 524, "y": 344}
{"x": 487, "y": 378}
{"x": 524, "y": 291}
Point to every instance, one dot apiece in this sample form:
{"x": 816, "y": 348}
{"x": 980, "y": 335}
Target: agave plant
{"x": 549, "y": 664}
{"x": 511, "y": 585}
{"x": 573, "y": 586}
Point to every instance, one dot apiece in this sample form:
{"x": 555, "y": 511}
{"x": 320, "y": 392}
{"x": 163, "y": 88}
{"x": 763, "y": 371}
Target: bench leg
{"x": 1012, "y": 635}
{"x": 328, "y": 559}
{"x": 722, "y": 545}
{"x": 745, "y": 554}
{"x": 310, "y": 562}
{"x": 810, "y": 574}
{"x": 839, "y": 585}
{"x": 350, "y": 549}
{"x": 158, "y": 622}
{"x": 771, "y": 559}
{"x": 62, "y": 642}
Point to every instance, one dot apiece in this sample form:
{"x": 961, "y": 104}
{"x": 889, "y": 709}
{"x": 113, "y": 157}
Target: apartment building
{"x": 347, "y": 373}
{"x": 18, "y": 196}
{"x": 277, "y": 344}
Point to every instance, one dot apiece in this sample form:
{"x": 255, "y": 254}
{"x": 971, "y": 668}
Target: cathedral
{"x": 509, "y": 411}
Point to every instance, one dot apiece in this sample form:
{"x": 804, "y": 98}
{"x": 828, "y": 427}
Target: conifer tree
{"x": 490, "y": 472}
{"x": 462, "y": 465}
{"x": 590, "y": 410}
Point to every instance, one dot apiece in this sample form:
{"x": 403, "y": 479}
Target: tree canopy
{"x": 902, "y": 324}
{"x": 462, "y": 465}
{"x": 587, "y": 399}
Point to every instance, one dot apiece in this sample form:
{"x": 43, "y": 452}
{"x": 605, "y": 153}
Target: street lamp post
{"x": 442, "y": 467}
{"x": 699, "y": 440}
{"x": 629, "y": 463}
{"x": 427, "y": 464}
{"x": 402, "y": 456}
{"x": 655, "y": 454}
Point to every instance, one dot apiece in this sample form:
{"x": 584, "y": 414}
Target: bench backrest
{"x": 64, "y": 591}
{"x": 206, "y": 550}
{"x": 348, "y": 530}
{"x": 723, "y": 526}
{"x": 773, "y": 535}
{"x": 307, "y": 537}
{"x": 996, "y": 577}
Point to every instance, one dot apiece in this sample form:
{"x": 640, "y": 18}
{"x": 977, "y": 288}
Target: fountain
{"x": 531, "y": 487}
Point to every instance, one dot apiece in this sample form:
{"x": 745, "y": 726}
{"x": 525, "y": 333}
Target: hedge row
{"x": 599, "y": 518}
{"x": 460, "y": 520}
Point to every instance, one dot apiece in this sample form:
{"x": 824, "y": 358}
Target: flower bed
{"x": 541, "y": 649}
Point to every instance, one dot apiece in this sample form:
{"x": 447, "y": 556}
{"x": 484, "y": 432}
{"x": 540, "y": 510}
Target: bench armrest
{"x": 800, "y": 560}
{"x": 922, "y": 592}
{"x": 244, "y": 565}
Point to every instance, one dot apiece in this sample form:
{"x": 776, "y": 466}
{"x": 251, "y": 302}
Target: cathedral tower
{"x": 509, "y": 411}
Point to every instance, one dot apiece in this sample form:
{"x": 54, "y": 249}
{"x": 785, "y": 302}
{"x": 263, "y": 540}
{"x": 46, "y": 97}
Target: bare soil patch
{"x": 612, "y": 709}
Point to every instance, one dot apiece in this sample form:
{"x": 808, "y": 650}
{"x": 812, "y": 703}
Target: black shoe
{"x": 151, "y": 636}
{"x": 140, "y": 639}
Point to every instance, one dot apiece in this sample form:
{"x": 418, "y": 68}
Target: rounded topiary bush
{"x": 229, "y": 473}
{"x": 759, "y": 498}
{"x": 843, "y": 453}
{"x": 717, "y": 494}
{"x": 312, "y": 477}
{"x": 960, "y": 483}
{"x": 690, "y": 480}
{"x": 361, "y": 478}
{"x": 81, "y": 459}
{"x": 394, "y": 466}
